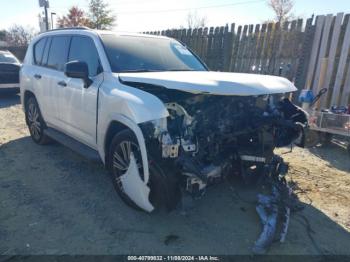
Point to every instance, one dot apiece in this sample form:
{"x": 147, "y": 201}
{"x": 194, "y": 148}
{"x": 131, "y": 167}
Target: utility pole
{"x": 46, "y": 19}
{"x": 52, "y": 14}
{"x": 45, "y": 4}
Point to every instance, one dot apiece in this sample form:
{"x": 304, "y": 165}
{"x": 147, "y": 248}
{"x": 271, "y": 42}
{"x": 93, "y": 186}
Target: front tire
{"x": 164, "y": 190}
{"x": 35, "y": 122}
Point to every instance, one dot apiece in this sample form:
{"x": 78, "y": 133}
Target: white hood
{"x": 217, "y": 83}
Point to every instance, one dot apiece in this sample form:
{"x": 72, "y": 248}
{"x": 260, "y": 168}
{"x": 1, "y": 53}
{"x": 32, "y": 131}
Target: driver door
{"x": 78, "y": 104}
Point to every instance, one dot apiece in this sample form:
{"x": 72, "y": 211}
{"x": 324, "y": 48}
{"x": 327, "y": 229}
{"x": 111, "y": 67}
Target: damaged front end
{"x": 208, "y": 138}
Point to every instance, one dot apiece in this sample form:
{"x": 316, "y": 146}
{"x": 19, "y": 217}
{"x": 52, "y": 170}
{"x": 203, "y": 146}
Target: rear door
{"x": 49, "y": 56}
{"x": 78, "y": 105}
{"x": 53, "y": 77}
{"x": 36, "y": 74}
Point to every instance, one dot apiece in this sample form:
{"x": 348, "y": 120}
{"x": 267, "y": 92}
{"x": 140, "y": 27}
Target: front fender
{"x": 114, "y": 117}
{"x": 136, "y": 189}
{"x": 138, "y": 105}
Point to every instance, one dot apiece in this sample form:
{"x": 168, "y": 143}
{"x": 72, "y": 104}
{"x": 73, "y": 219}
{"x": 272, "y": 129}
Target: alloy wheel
{"x": 121, "y": 159}
{"x": 34, "y": 121}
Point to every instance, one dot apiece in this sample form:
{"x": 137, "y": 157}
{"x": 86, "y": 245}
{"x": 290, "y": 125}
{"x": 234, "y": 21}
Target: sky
{"x": 149, "y": 15}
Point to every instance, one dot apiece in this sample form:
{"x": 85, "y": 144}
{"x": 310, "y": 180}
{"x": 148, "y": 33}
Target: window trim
{"x": 48, "y": 44}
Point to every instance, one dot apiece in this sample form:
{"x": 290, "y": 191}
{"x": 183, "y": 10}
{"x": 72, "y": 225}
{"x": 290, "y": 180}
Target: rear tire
{"x": 162, "y": 188}
{"x": 35, "y": 122}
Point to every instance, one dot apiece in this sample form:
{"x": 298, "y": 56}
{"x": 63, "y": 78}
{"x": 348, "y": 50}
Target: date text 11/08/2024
{"x": 173, "y": 258}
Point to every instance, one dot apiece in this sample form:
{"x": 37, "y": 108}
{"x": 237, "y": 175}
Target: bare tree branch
{"x": 195, "y": 21}
{"x": 18, "y": 35}
{"x": 282, "y": 9}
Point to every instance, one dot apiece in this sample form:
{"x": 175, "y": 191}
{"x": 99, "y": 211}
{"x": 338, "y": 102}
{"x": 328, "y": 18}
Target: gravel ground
{"x": 52, "y": 201}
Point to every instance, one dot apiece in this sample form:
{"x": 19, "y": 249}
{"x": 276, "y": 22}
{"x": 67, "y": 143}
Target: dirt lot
{"x": 52, "y": 201}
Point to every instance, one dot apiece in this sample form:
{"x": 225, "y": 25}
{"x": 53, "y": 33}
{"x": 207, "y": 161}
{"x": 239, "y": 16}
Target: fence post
{"x": 254, "y": 47}
{"x": 227, "y": 44}
{"x": 331, "y": 59}
{"x": 275, "y": 51}
{"x": 235, "y": 46}
{"x": 314, "y": 50}
{"x": 241, "y": 47}
{"x": 304, "y": 55}
{"x": 260, "y": 47}
{"x": 322, "y": 53}
{"x": 210, "y": 48}
{"x": 248, "y": 50}
{"x": 205, "y": 45}
{"x": 341, "y": 66}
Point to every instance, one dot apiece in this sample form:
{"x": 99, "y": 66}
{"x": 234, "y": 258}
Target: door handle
{"x": 62, "y": 83}
{"x": 37, "y": 76}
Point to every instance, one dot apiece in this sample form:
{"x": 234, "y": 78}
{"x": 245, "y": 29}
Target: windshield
{"x": 7, "y": 58}
{"x": 147, "y": 54}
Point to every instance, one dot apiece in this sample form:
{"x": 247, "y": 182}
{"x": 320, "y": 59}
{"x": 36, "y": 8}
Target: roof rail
{"x": 70, "y": 28}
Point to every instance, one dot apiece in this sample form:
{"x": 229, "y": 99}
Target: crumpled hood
{"x": 216, "y": 83}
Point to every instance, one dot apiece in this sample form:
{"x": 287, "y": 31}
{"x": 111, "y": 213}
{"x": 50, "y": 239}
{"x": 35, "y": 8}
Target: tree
{"x": 100, "y": 15}
{"x": 18, "y": 35}
{"x": 282, "y": 9}
{"x": 195, "y": 21}
{"x": 75, "y": 17}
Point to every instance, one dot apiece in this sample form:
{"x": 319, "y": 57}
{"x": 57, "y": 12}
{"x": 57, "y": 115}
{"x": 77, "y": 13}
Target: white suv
{"x": 152, "y": 112}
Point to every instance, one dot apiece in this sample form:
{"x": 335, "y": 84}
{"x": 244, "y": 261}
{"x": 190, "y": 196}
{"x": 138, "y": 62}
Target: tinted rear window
{"x": 39, "y": 50}
{"x": 46, "y": 51}
{"x": 58, "y": 53}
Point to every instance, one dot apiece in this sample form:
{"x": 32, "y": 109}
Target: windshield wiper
{"x": 184, "y": 69}
{"x": 150, "y": 70}
{"x": 138, "y": 71}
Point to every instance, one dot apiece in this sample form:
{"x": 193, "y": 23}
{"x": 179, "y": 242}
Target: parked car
{"x": 9, "y": 72}
{"x": 153, "y": 113}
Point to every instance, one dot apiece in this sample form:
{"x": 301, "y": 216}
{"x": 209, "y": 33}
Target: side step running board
{"x": 73, "y": 144}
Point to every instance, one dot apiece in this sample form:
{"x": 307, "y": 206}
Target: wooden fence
{"x": 313, "y": 53}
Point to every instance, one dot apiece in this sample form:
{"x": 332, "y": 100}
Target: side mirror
{"x": 78, "y": 69}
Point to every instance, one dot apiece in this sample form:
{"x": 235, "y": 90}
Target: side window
{"x": 46, "y": 51}
{"x": 39, "y": 51}
{"x": 84, "y": 49}
{"x": 58, "y": 52}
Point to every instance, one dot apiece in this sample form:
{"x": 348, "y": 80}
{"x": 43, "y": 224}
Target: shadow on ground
{"x": 54, "y": 202}
{"x": 336, "y": 155}
{"x": 8, "y": 99}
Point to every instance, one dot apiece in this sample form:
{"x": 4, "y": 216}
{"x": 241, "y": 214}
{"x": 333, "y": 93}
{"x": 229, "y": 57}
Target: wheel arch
{"x": 27, "y": 94}
{"x": 118, "y": 124}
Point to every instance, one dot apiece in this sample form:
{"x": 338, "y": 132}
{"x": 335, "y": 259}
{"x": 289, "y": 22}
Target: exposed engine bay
{"x": 208, "y": 138}
{"x": 211, "y": 136}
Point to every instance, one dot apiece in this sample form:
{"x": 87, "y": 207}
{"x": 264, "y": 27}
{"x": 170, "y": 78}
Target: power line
{"x": 188, "y": 9}
{"x": 116, "y": 5}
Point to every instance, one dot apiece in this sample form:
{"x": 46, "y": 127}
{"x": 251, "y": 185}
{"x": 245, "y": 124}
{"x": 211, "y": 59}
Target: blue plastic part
{"x": 306, "y": 96}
